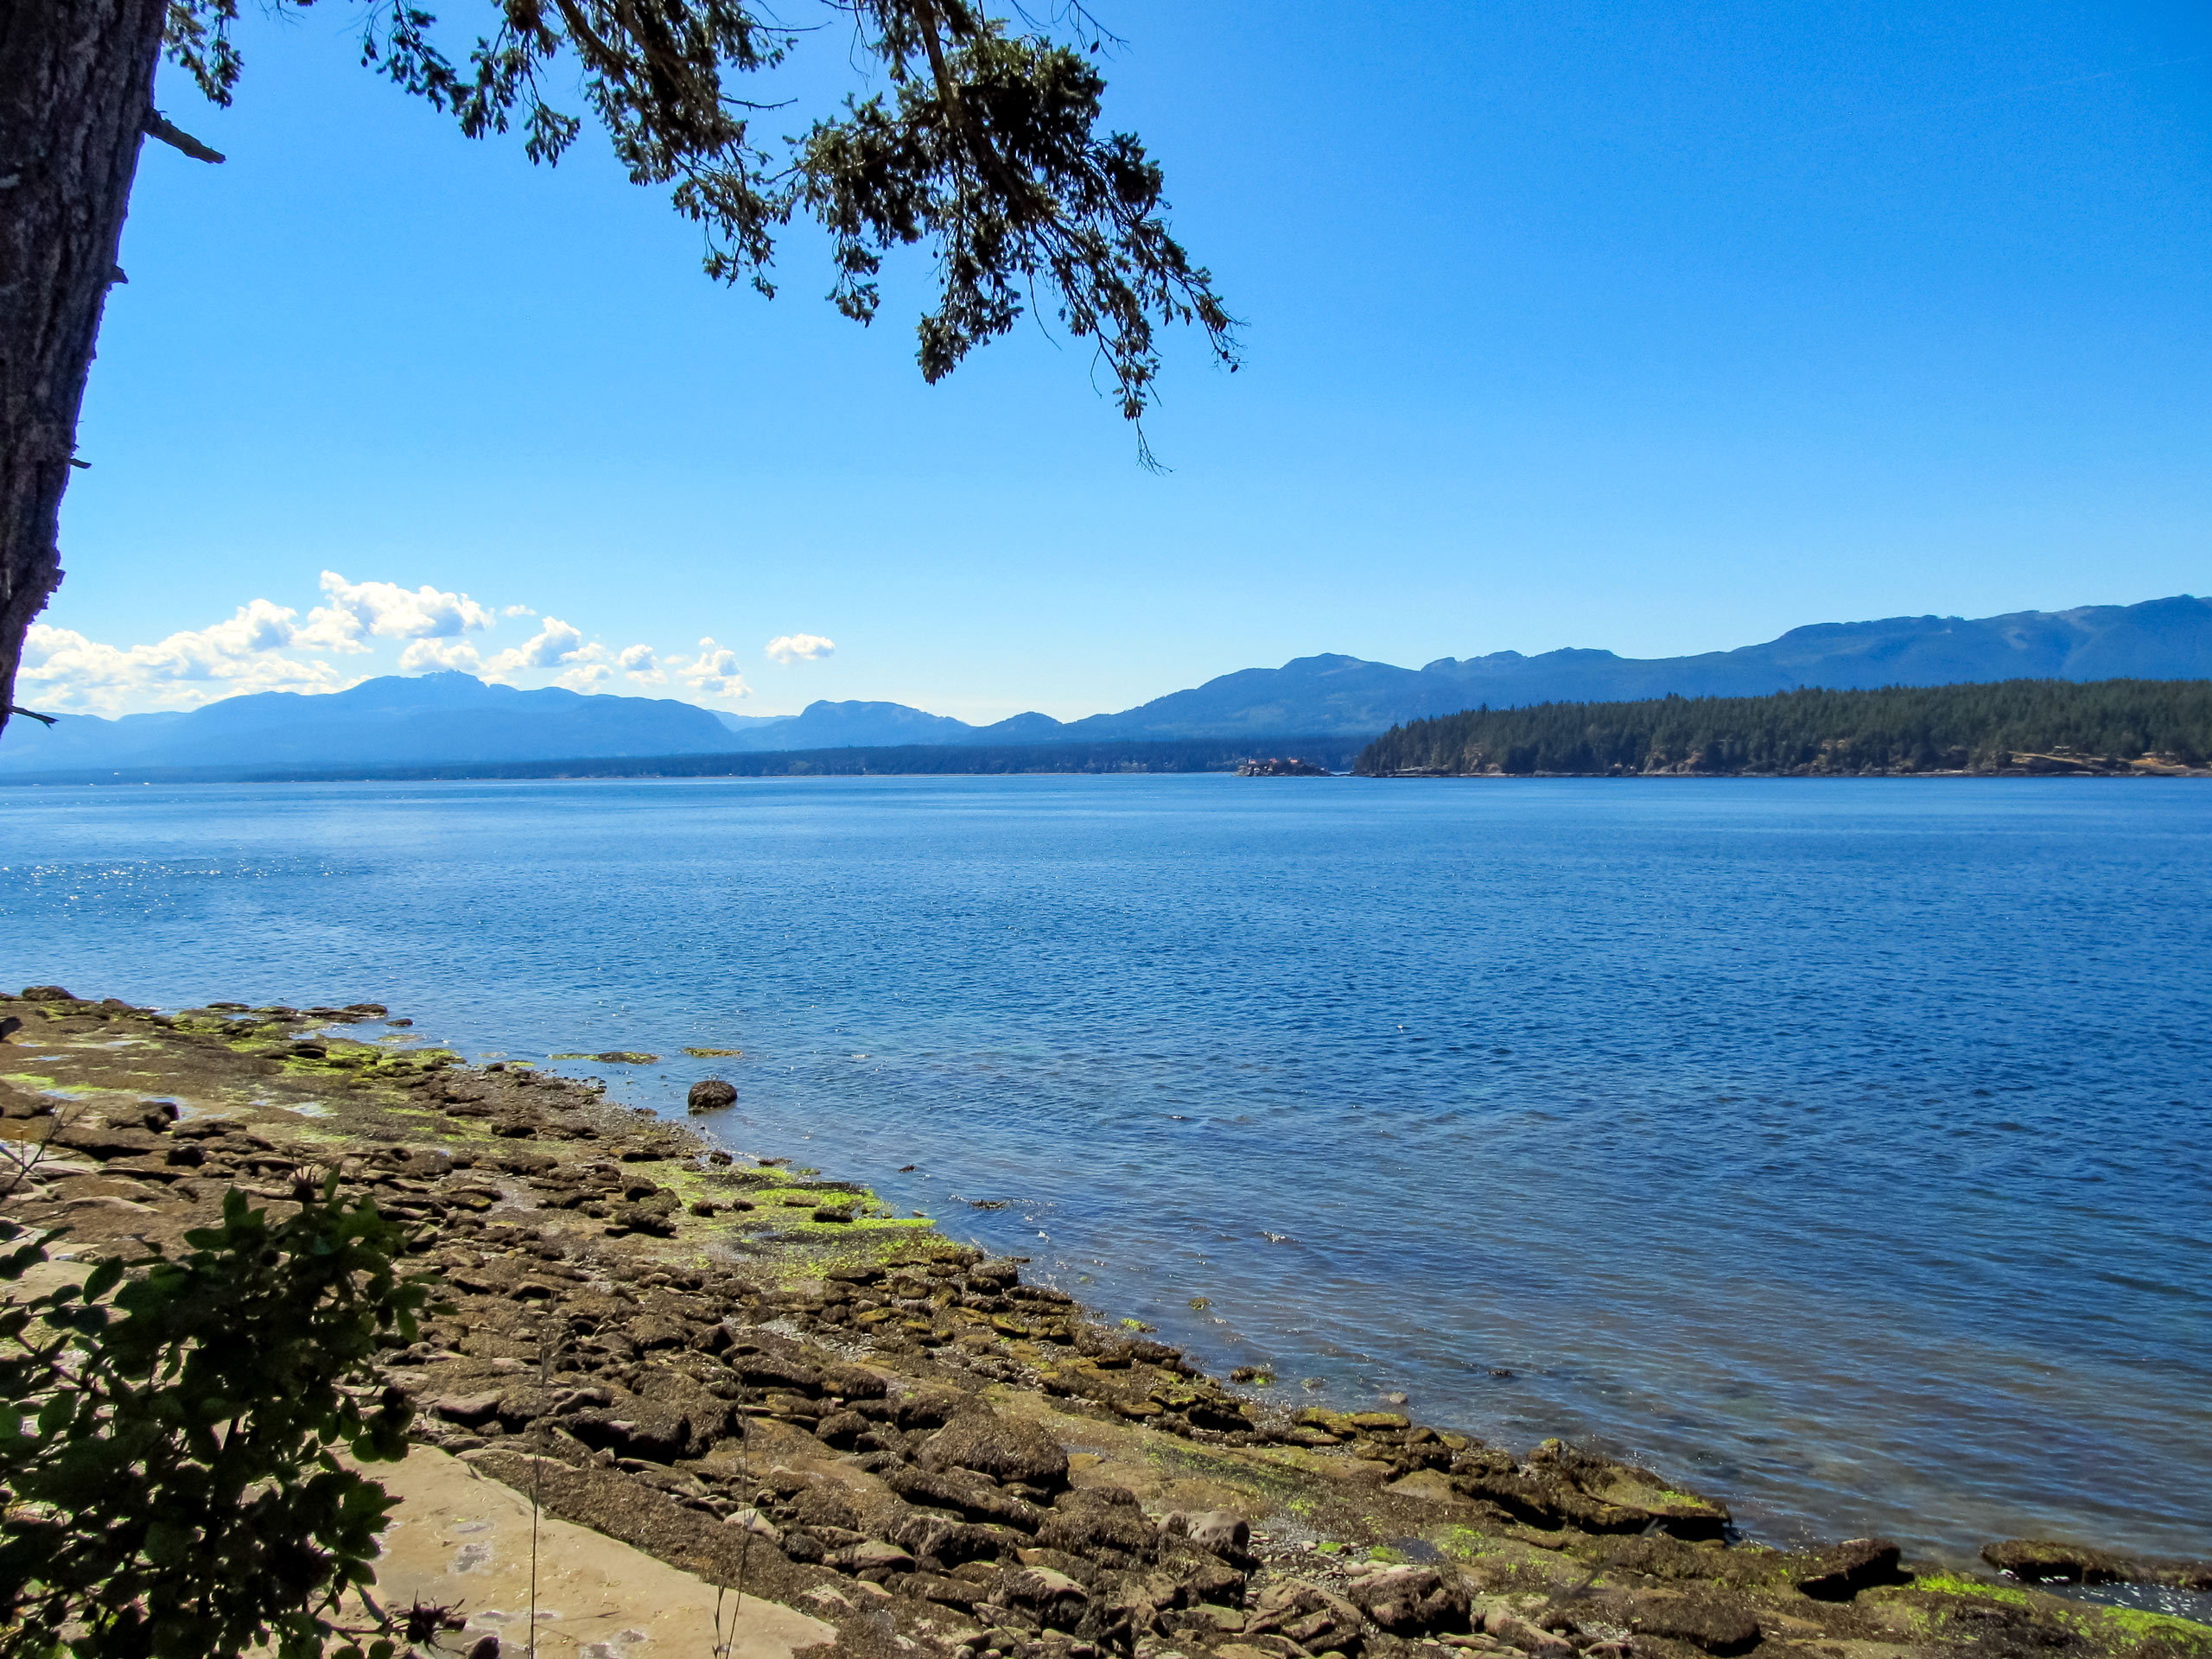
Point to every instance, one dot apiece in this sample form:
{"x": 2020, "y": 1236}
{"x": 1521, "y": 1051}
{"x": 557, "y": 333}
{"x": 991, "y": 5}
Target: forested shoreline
{"x": 2002, "y": 727}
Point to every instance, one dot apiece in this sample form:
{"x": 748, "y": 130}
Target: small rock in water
{"x": 711, "y": 1095}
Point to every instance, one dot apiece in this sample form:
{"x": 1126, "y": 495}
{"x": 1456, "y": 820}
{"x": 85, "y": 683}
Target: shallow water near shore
{"x": 1837, "y": 1147}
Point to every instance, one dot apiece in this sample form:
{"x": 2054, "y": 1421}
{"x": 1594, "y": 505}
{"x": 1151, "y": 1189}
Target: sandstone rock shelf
{"x": 768, "y": 1383}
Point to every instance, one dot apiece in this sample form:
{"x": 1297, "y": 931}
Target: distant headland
{"x": 2014, "y": 727}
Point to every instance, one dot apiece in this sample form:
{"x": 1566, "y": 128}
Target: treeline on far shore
{"x": 918, "y": 759}
{"x": 1999, "y": 728}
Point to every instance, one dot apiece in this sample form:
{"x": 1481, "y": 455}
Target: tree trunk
{"x": 76, "y": 88}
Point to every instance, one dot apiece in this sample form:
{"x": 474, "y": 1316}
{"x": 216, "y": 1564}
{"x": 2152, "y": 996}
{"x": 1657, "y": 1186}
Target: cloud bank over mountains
{"x": 452, "y": 717}
{"x": 359, "y": 630}
{"x": 381, "y": 633}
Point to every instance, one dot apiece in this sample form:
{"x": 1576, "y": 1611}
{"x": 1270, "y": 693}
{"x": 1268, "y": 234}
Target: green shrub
{"x": 168, "y": 1433}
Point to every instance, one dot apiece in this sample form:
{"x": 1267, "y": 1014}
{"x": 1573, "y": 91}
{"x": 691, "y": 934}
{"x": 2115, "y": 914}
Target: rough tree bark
{"x": 76, "y": 90}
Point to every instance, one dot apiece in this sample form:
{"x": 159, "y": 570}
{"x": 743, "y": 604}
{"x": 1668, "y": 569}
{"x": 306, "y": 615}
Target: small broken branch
{"x": 17, "y": 709}
{"x": 19, "y": 1160}
{"x": 160, "y": 126}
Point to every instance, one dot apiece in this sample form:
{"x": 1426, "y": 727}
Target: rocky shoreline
{"x": 2058, "y": 764}
{"x": 765, "y": 1380}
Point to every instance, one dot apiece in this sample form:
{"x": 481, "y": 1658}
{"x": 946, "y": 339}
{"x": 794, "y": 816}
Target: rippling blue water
{"x": 1838, "y": 1148}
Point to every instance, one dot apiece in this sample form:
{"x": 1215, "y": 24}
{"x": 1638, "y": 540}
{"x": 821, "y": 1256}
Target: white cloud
{"x": 554, "y": 643}
{"x": 64, "y": 669}
{"x": 789, "y": 648}
{"x": 428, "y": 656}
{"x": 385, "y": 610}
{"x": 639, "y": 662}
{"x": 712, "y": 672}
{"x": 258, "y": 626}
{"x": 585, "y": 676}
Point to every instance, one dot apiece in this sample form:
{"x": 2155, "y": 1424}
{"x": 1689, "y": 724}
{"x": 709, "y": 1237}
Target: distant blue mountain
{"x": 2159, "y": 639}
{"x": 436, "y": 718}
{"x": 868, "y": 725}
{"x": 442, "y": 719}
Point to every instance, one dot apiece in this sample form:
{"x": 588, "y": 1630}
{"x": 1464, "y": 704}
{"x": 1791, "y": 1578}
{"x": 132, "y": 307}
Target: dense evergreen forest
{"x": 2004, "y": 727}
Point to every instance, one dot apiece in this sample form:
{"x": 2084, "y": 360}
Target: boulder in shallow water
{"x": 711, "y": 1095}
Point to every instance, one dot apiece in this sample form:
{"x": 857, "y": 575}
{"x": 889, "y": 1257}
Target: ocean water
{"x": 1837, "y": 1147}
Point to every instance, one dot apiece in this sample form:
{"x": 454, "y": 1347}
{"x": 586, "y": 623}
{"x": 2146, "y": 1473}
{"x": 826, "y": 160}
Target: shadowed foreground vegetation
{"x": 2008, "y": 727}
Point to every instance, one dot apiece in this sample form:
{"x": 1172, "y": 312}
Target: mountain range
{"x": 456, "y": 719}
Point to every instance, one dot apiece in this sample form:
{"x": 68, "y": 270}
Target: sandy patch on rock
{"x": 462, "y": 1541}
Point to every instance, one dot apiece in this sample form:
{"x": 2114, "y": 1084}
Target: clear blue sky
{"x": 1655, "y": 326}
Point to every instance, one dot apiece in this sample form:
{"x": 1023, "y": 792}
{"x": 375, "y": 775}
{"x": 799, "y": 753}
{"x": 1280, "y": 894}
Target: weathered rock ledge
{"x": 764, "y": 1379}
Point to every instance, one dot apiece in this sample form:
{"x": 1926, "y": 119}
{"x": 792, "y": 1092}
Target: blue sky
{"x": 1656, "y": 327}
